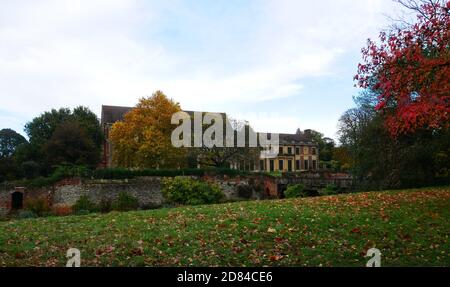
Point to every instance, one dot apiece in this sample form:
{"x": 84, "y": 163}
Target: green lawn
{"x": 410, "y": 227}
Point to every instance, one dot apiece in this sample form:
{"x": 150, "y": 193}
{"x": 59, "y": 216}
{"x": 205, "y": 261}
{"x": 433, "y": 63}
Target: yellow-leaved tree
{"x": 142, "y": 139}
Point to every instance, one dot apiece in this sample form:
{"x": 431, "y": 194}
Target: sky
{"x": 281, "y": 64}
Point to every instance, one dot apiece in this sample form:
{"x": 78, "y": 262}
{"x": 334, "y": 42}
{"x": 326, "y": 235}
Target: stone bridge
{"x": 275, "y": 186}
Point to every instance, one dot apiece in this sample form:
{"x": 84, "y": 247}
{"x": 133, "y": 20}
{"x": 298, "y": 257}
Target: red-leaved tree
{"x": 410, "y": 69}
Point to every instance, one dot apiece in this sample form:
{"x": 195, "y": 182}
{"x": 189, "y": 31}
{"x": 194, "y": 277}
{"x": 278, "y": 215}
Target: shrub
{"x": 65, "y": 171}
{"x": 330, "y": 189}
{"x": 123, "y": 173}
{"x": 126, "y": 202}
{"x": 275, "y": 174}
{"x": 40, "y": 182}
{"x": 62, "y": 210}
{"x": 191, "y": 192}
{"x": 245, "y": 191}
{"x": 105, "y": 205}
{"x": 30, "y": 169}
{"x": 23, "y": 214}
{"x": 297, "y": 190}
{"x": 38, "y": 206}
{"x": 82, "y": 212}
{"x": 84, "y": 204}
{"x": 61, "y": 172}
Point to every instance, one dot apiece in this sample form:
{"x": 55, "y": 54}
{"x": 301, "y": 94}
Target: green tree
{"x": 41, "y": 133}
{"x": 71, "y": 144}
{"x": 9, "y": 141}
{"x": 379, "y": 161}
{"x": 41, "y": 128}
{"x": 326, "y": 145}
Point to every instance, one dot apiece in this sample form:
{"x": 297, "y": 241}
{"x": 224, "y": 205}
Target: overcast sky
{"x": 282, "y": 65}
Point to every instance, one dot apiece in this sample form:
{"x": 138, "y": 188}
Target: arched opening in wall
{"x": 281, "y": 189}
{"x": 16, "y": 200}
{"x": 267, "y": 192}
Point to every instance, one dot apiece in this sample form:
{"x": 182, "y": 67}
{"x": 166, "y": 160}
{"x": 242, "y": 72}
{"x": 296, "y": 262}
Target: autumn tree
{"x": 143, "y": 138}
{"x": 379, "y": 161}
{"x": 341, "y": 155}
{"x": 410, "y": 69}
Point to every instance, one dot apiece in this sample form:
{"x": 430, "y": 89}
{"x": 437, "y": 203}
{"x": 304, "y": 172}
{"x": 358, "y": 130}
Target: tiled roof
{"x": 298, "y": 138}
{"x": 112, "y": 114}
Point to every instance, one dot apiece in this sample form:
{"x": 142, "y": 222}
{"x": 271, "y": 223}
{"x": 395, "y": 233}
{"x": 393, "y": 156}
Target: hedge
{"x": 63, "y": 172}
{"x": 123, "y": 173}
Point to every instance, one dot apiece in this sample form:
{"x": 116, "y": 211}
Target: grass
{"x": 410, "y": 227}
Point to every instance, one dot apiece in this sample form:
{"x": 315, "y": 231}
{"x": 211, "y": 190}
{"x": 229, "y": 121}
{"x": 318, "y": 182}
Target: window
{"x": 261, "y": 165}
{"x": 289, "y": 150}
{"x": 297, "y": 165}
{"x": 280, "y": 150}
{"x": 314, "y": 150}
{"x": 289, "y": 165}
{"x": 280, "y": 164}
{"x": 297, "y": 151}
{"x": 305, "y": 150}
{"x": 272, "y": 165}
{"x": 306, "y": 165}
{"x": 314, "y": 165}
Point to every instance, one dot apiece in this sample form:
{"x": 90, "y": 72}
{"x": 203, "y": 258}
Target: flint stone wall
{"x": 146, "y": 189}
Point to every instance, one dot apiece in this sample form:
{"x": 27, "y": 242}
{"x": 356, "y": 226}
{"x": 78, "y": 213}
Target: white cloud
{"x": 63, "y": 53}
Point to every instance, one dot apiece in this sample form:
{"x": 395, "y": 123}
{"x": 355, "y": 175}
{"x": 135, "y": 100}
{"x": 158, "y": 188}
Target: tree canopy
{"x": 41, "y": 128}
{"x": 143, "y": 138}
{"x": 52, "y": 142}
{"x": 410, "y": 69}
{"x": 9, "y": 141}
{"x": 71, "y": 144}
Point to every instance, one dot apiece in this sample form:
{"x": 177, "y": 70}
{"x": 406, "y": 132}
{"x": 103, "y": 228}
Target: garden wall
{"x": 148, "y": 189}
